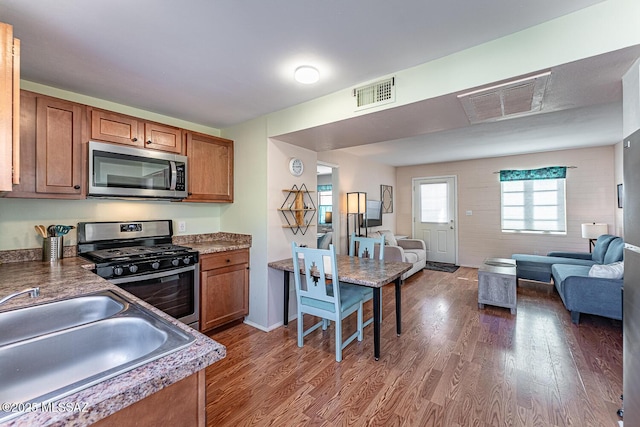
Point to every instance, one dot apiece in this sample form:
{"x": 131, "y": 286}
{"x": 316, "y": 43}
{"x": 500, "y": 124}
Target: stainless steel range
{"x": 138, "y": 256}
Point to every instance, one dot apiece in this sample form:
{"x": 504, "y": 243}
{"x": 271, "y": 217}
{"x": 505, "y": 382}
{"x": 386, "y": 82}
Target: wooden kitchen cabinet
{"x": 210, "y": 168}
{"x": 180, "y": 404}
{"x": 9, "y": 108}
{"x": 52, "y": 158}
{"x": 224, "y": 288}
{"x": 121, "y": 129}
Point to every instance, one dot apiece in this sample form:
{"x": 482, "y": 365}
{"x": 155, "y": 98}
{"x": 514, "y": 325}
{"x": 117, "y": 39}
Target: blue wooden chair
{"x": 318, "y": 297}
{"x": 366, "y": 248}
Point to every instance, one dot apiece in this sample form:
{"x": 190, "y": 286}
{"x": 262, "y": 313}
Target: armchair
{"x": 413, "y": 251}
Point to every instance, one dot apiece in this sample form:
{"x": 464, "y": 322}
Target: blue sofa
{"x": 580, "y": 293}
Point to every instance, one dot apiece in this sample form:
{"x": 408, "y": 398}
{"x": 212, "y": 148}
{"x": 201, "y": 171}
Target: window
{"x": 434, "y": 199}
{"x": 534, "y": 200}
{"x": 325, "y": 203}
{"x": 535, "y": 205}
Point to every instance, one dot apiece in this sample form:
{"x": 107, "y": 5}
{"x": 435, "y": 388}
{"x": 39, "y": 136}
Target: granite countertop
{"x": 70, "y": 277}
{"x": 215, "y": 242}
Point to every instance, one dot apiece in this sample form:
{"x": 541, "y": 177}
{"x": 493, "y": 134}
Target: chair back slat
{"x": 316, "y": 264}
{"x": 366, "y": 247}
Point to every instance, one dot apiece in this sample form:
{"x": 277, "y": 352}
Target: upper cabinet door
{"x": 210, "y": 173}
{"x": 58, "y": 146}
{"x": 164, "y": 138}
{"x": 111, "y": 127}
{"x": 9, "y": 108}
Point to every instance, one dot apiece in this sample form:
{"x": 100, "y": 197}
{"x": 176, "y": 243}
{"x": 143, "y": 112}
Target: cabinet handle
{"x": 134, "y": 139}
{"x": 149, "y": 142}
{"x": 228, "y": 260}
{"x": 76, "y": 187}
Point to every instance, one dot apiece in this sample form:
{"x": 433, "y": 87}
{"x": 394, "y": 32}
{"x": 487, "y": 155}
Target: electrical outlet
{"x": 182, "y": 226}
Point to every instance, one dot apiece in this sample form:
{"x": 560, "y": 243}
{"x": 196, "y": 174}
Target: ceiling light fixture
{"x": 306, "y": 74}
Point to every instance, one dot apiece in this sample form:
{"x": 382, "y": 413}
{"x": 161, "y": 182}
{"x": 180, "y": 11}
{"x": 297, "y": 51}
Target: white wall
{"x": 247, "y": 214}
{"x": 18, "y": 216}
{"x": 590, "y": 194}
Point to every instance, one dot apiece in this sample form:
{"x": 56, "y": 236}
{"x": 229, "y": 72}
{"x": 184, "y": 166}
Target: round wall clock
{"x": 296, "y": 167}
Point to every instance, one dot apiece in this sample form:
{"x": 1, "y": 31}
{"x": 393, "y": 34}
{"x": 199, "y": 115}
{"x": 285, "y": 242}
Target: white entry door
{"x": 434, "y": 217}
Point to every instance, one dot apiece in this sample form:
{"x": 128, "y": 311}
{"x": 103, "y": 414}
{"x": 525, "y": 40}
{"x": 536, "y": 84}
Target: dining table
{"x": 367, "y": 272}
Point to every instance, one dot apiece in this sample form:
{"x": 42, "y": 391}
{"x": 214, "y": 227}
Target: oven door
{"x": 175, "y": 292}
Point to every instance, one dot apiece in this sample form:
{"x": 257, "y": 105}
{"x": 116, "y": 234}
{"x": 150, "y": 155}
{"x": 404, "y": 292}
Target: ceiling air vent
{"x": 515, "y": 98}
{"x": 374, "y": 94}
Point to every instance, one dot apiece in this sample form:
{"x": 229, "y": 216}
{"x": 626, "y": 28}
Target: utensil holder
{"x": 52, "y": 248}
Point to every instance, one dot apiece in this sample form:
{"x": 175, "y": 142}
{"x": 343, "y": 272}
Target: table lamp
{"x": 327, "y": 218}
{"x": 592, "y": 231}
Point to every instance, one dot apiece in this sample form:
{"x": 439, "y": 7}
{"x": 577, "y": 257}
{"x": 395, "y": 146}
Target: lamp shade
{"x": 356, "y": 202}
{"x": 327, "y": 217}
{"x": 593, "y": 230}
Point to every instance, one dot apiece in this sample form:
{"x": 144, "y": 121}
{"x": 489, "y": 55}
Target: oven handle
{"x": 174, "y": 175}
{"x": 140, "y": 278}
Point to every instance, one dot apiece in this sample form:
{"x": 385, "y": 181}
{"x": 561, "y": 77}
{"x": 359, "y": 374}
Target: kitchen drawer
{"x": 223, "y": 259}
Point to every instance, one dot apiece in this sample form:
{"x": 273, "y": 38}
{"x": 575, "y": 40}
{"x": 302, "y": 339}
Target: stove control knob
{"x": 133, "y": 268}
{"x": 118, "y": 270}
{"x": 175, "y": 262}
{"x": 186, "y": 260}
{"x": 155, "y": 265}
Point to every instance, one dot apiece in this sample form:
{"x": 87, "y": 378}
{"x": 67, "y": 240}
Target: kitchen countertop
{"x": 70, "y": 277}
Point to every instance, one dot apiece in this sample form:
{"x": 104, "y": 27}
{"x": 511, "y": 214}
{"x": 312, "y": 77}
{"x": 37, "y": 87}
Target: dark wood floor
{"x": 454, "y": 365}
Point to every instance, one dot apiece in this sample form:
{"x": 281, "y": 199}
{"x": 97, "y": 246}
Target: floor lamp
{"x": 356, "y": 206}
{"x": 592, "y": 231}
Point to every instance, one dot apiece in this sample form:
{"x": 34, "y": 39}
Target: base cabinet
{"x": 224, "y": 288}
{"x": 180, "y": 404}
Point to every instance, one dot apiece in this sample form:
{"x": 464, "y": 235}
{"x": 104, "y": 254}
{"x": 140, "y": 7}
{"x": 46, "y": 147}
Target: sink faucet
{"x": 33, "y": 292}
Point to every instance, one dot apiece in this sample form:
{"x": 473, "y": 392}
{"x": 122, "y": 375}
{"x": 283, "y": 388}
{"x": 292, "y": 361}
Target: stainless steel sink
{"x": 48, "y": 366}
{"x": 33, "y": 321}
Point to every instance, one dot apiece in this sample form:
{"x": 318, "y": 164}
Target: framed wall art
{"x": 386, "y": 195}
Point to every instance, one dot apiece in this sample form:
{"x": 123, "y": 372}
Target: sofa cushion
{"x": 608, "y": 271}
{"x": 615, "y": 251}
{"x": 561, "y": 271}
{"x": 538, "y": 267}
{"x": 389, "y": 238}
{"x": 601, "y": 247}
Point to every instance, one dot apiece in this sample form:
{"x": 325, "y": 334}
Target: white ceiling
{"x": 219, "y": 63}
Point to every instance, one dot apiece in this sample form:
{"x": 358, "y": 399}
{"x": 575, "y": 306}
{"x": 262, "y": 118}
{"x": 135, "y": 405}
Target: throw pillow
{"x": 389, "y": 238}
{"x": 608, "y": 271}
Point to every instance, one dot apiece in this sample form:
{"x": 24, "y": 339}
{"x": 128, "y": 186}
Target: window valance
{"x": 552, "y": 172}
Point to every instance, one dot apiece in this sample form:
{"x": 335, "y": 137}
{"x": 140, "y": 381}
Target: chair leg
{"x": 360, "y": 323}
{"x": 325, "y": 324}
{"x": 300, "y": 329}
{"x": 338, "y": 340}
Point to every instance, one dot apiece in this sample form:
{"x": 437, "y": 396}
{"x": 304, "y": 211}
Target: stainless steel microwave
{"x": 121, "y": 171}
